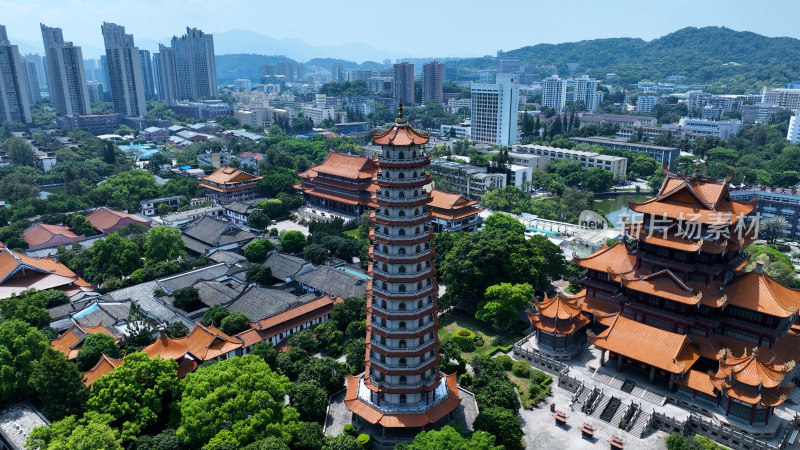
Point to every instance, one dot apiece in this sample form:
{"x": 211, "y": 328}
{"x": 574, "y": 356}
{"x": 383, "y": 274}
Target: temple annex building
{"x": 672, "y": 302}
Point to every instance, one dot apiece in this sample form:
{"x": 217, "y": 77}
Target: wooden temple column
{"x": 619, "y": 362}
{"x": 652, "y": 373}
{"x": 602, "y": 356}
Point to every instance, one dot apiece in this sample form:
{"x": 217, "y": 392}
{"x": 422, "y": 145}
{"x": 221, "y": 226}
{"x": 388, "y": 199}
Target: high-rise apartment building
{"x": 586, "y": 92}
{"x": 187, "y": 68}
{"x": 554, "y": 93}
{"x": 124, "y": 71}
{"x": 147, "y": 75}
{"x": 494, "y": 111}
{"x": 14, "y": 106}
{"x": 337, "y": 72}
{"x": 783, "y": 98}
{"x": 41, "y": 73}
{"x": 404, "y": 82}
{"x": 402, "y": 386}
{"x": 66, "y": 77}
{"x": 285, "y": 68}
{"x": 432, "y": 80}
{"x": 31, "y": 81}
{"x": 301, "y": 72}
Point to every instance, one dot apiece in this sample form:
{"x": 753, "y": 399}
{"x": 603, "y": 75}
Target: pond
{"x": 618, "y": 204}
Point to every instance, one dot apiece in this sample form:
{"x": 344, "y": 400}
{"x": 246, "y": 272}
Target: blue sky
{"x": 417, "y": 28}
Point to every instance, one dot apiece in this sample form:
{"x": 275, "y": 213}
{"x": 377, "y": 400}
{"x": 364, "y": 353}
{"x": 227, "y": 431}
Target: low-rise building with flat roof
{"x": 659, "y": 153}
{"x": 523, "y": 155}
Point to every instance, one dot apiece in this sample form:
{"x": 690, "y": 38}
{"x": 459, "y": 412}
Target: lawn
{"x": 454, "y": 320}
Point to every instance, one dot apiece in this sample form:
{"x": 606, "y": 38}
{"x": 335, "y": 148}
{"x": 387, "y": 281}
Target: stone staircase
{"x": 649, "y": 396}
{"x": 601, "y": 406}
{"x": 641, "y": 422}
{"x": 615, "y": 421}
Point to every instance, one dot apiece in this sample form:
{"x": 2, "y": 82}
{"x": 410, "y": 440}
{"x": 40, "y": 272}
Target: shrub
{"x": 521, "y": 369}
{"x": 465, "y": 339}
{"x": 496, "y": 341}
{"x": 505, "y": 362}
{"x": 349, "y": 429}
{"x": 364, "y": 440}
{"x": 479, "y": 342}
{"x": 273, "y": 232}
{"x": 538, "y": 376}
{"x": 465, "y": 380}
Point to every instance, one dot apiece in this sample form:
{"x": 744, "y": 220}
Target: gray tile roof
{"x": 226, "y": 256}
{"x": 284, "y": 266}
{"x": 217, "y": 293}
{"x": 333, "y": 282}
{"x": 182, "y": 280}
{"x": 260, "y": 302}
{"x": 238, "y": 207}
{"x": 146, "y": 300}
{"x": 216, "y": 232}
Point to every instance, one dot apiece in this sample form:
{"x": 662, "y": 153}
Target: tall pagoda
{"x": 672, "y": 301}
{"x": 402, "y": 386}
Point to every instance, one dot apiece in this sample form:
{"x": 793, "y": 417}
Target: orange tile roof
{"x": 751, "y": 369}
{"x": 42, "y": 273}
{"x": 104, "y": 218}
{"x": 730, "y": 213}
{"x": 400, "y": 134}
{"x": 104, "y": 365}
{"x": 560, "y": 306}
{"x": 313, "y": 305}
{"x": 346, "y": 166}
{"x": 663, "y": 284}
{"x": 448, "y": 206}
{"x": 41, "y": 232}
{"x": 230, "y": 175}
{"x": 70, "y": 341}
{"x": 603, "y": 311}
{"x": 766, "y": 398}
{"x": 203, "y": 343}
{"x": 405, "y": 420}
{"x": 758, "y": 292}
{"x": 699, "y": 381}
{"x": 615, "y": 259}
{"x": 650, "y": 345}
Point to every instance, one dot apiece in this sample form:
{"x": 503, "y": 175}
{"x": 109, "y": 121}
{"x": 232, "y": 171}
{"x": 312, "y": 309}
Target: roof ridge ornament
{"x": 400, "y": 120}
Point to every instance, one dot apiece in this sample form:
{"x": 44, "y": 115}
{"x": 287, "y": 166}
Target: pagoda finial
{"x": 400, "y": 120}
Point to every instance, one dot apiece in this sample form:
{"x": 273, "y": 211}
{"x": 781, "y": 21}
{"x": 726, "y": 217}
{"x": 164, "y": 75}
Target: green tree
{"x": 502, "y": 302}
{"x": 94, "y": 347}
{"x": 596, "y": 179}
{"x": 258, "y": 219}
{"x": 773, "y": 227}
{"x": 29, "y": 307}
{"x": 503, "y": 222}
{"x": 324, "y": 372}
{"x": 293, "y": 241}
{"x": 215, "y": 315}
{"x": 266, "y": 351}
{"x": 256, "y": 251}
{"x": 234, "y": 323}
{"x": 92, "y": 431}
{"x": 187, "y": 298}
{"x": 20, "y": 346}
{"x": 310, "y": 400}
{"x": 304, "y": 340}
{"x": 676, "y": 441}
{"x": 315, "y": 253}
{"x": 503, "y": 424}
{"x": 177, "y": 329}
{"x": 113, "y": 256}
{"x": 240, "y": 394}
{"x": 354, "y": 351}
{"x": 449, "y": 439}
{"x": 164, "y": 244}
{"x": 138, "y": 393}
{"x": 268, "y": 443}
{"x": 342, "y": 442}
{"x": 292, "y": 362}
{"x": 309, "y": 437}
{"x": 257, "y": 273}
{"x": 166, "y": 440}
{"x": 58, "y": 384}
{"x": 224, "y": 440}
{"x": 20, "y": 152}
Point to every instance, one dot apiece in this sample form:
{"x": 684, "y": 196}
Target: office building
{"x": 96, "y": 124}
{"x": 404, "y": 82}
{"x": 402, "y": 386}
{"x": 124, "y": 71}
{"x": 772, "y": 202}
{"x": 147, "y": 75}
{"x": 554, "y": 93}
{"x": 471, "y": 181}
{"x": 623, "y": 120}
{"x": 66, "y": 77}
{"x": 586, "y": 92}
{"x": 494, "y": 111}
{"x": 646, "y": 103}
{"x": 722, "y": 129}
{"x": 793, "y": 134}
{"x": 537, "y": 157}
{"x": 509, "y": 65}
{"x": 337, "y": 73}
{"x": 31, "y": 82}
{"x": 661, "y": 154}
{"x": 780, "y": 97}
{"x": 14, "y": 105}
{"x": 242, "y": 83}
{"x": 432, "y": 80}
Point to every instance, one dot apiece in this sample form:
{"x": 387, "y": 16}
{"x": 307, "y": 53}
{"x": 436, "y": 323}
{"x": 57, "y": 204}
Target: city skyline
{"x": 319, "y": 27}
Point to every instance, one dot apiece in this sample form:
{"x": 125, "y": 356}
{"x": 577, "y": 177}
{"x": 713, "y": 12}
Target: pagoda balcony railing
{"x": 384, "y": 179}
{"x": 408, "y": 237}
{"x": 756, "y": 327}
{"x": 391, "y": 366}
{"x": 688, "y": 318}
{"x": 417, "y": 329}
{"x": 686, "y": 266}
{"x": 383, "y": 383}
{"x": 381, "y": 194}
{"x": 408, "y": 255}
{"x": 414, "y": 274}
{"x": 379, "y": 215}
{"x": 425, "y": 308}
{"x": 400, "y": 295}
{"x": 388, "y": 348}
{"x": 418, "y": 159}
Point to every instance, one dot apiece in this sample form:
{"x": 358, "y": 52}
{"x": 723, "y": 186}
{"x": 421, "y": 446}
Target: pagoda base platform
{"x": 464, "y": 412}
